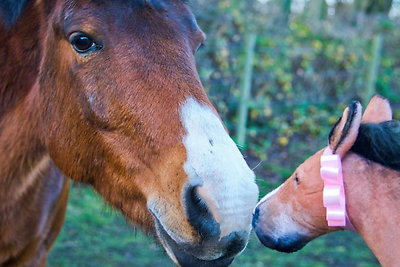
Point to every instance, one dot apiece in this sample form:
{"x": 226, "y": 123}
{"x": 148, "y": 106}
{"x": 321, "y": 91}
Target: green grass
{"x": 96, "y": 236}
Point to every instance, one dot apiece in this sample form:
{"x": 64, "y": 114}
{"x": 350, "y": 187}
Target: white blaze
{"x": 285, "y": 225}
{"x": 269, "y": 195}
{"x": 215, "y": 164}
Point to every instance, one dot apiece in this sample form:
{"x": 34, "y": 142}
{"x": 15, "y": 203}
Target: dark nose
{"x": 235, "y": 242}
{"x": 286, "y": 243}
{"x": 200, "y": 216}
{"x": 202, "y": 220}
{"x": 264, "y": 239}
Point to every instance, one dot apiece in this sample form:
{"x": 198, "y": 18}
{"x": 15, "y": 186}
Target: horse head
{"x": 289, "y": 217}
{"x": 123, "y": 109}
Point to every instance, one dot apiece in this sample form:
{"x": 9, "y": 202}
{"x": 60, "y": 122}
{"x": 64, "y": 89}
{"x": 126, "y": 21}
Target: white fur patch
{"x": 286, "y": 226}
{"x": 269, "y": 195}
{"x": 215, "y": 164}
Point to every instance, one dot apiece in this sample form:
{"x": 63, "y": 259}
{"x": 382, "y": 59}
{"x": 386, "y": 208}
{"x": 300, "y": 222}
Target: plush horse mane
{"x": 380, "y": 143}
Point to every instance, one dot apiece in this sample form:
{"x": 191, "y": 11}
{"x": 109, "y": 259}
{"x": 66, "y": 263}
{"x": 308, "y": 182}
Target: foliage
{"x": 305, "y": 72}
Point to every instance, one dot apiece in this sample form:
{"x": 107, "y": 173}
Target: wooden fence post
{"x": 373, "y": 67}
{"x": 245, "y": 90}
{"x": 286, "y": 10}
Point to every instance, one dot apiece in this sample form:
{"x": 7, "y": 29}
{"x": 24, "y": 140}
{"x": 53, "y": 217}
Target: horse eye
{"x": 202, "y": 45}
{"x": 296, "y": 178}
{"x": 82, "y": 43}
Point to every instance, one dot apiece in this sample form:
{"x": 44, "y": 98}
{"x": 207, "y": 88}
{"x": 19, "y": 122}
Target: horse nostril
{"x": 256, "y": 214}
{"x": 236, "y": 242}
{"x": 199, "y": 215}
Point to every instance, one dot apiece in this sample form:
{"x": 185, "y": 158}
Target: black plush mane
{"x": 380, "y": 143}
{"x": 10, "y": 10}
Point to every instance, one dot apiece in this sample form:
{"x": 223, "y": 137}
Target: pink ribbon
{"x": 333, "y": 194}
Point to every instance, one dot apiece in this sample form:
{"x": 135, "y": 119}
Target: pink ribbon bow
{"x": 333, "y": 194}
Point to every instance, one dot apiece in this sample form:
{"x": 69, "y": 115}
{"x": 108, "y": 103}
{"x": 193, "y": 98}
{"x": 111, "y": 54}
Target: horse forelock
{"x": 379, "y": 143}
{"x": 11, "y": 10}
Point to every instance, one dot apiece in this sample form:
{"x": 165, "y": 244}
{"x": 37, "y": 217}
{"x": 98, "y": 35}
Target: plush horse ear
{"x": 377, "y": 111}
{"x": 344, "y": 132}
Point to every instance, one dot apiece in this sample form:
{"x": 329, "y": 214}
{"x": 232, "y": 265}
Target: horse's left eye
{"x": 82, "y": 43}
{"x": 202, "y": 45}
{"x": 296, "y": 178}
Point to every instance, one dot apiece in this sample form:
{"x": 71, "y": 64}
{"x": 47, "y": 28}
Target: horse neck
{"x": 373, "y": 200}
{"x": 20, "y": 143}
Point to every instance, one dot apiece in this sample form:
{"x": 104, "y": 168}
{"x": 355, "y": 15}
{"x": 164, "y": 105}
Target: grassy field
{"x": 96, "y": 236}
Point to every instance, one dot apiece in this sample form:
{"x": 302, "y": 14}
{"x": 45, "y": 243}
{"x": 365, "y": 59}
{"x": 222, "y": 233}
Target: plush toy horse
{"x": 352, "y": 184}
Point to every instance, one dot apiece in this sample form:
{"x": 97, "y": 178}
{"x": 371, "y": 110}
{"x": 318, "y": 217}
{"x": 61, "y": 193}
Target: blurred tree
{"x": 375, "y": 8}
{"x": 373, "y": 67}
{"x": 378, "y": 6}
{"x": 245, "y": 90}
{"x": 302, "y": 70}
{"x": 343, "y": 9}
{"x": 316, "y": 10}
{"x": 324, "y": 10}
{"x": 286, "y": 10}
{"x": 359, "y": 4}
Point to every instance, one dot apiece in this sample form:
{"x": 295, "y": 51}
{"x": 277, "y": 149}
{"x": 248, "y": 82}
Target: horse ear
{"x": 377, "y": 111}
{"x": 344, "y": 132}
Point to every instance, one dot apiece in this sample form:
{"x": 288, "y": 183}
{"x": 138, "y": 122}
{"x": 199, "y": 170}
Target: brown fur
{"x": 373, "y": 203}
{"x": 110, "y": 120}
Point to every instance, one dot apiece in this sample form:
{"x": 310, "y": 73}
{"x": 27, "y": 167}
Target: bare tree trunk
{"x": 286, "y": 10}
{"x": 316, "y": 10}
{"x": 245, "y": 90}
{"x": 373, "y": 67}
{"x": 323, "y": 11}
{"x": 378, "y": 6}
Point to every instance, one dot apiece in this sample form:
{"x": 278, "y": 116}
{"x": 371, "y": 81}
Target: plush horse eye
{"x": 82, "y": 43}
{"x": 296, "y": 178}
{"x": 202, "y": 45}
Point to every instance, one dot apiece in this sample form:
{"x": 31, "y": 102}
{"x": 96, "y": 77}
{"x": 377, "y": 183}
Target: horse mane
{"x": 10, "y": 10}
{"x": 380, "y": 143}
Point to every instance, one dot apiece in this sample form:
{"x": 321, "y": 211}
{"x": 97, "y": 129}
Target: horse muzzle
{"x": 211, "y": 251}
{"x": 210, "y": 244}
{"x": 267, "y": 234}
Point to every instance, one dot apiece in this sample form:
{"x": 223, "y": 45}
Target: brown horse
{"x": 107, "y": 93}
{"x": 293, "y": 214}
